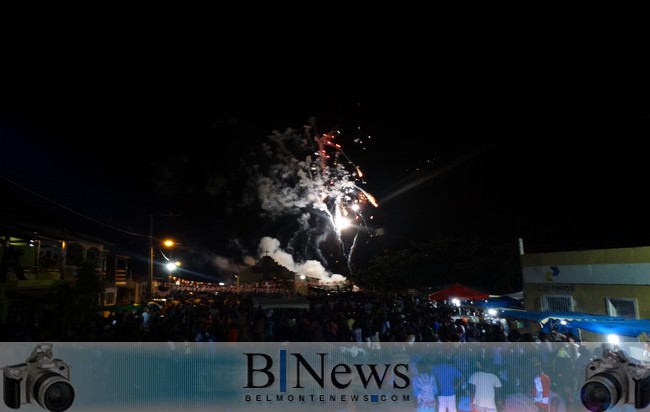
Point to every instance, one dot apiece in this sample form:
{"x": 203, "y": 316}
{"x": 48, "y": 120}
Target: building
{"x": 269, "y": 275}
{"x": 614, "y": 282}
{"x": 37, "y": 265}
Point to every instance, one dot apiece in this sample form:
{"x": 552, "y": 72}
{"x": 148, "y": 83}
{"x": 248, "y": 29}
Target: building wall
{"x": 601, "y": 281}
{"x": 41, "y": 280}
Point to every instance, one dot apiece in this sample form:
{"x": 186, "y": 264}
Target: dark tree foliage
{"x": 443, "y": 261}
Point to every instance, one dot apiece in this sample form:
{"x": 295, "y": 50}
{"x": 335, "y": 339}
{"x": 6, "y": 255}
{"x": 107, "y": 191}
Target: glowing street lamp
{"x": 169, "y": 244}
{"x": 171, "y": 266}
{"x": 151, "y": 250}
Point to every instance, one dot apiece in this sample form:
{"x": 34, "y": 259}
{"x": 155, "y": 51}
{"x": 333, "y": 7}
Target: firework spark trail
{"x": 343, "y": 190}
{"x": 310, "y": 178}
{"x": 345, "y": 193}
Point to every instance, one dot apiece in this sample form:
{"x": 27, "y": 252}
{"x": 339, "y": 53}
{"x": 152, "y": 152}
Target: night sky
{"x": 100, "y": 152}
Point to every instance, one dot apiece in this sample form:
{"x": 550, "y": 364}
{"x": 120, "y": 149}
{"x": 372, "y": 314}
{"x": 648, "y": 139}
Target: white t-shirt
{"x": 485, "y": 384}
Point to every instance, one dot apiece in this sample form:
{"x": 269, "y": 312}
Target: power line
{"x": 71, "y": 210}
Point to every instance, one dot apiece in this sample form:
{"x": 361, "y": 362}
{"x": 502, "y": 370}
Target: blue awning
{"x": 632, "y": 328}
{"x": 544, "y": 316}
{"x": 602, "y": 324}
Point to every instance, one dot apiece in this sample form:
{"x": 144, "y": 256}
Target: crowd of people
{"x": 524, "y": 370}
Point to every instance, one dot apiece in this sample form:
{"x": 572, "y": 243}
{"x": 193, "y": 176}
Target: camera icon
{"x": 41, "y": 379}
{"x": 615, "y": 380}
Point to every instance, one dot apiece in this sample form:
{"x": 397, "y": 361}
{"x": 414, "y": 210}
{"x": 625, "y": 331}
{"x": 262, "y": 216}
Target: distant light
{"x": 614, "y": 339}
{"x": 456, "y": 302}
{"x": 303, "y": 277}
{"x": 222, "y": 284}
{"x": 492, "y": 312}
{"x": 171, "y": 266}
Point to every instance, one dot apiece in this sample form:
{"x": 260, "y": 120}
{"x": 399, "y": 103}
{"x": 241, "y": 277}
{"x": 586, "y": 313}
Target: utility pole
{"x": 151, "y": 216}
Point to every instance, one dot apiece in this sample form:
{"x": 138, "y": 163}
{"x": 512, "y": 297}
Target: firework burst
{"x": 308, "y": 179}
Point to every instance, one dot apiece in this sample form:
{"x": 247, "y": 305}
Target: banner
{"x": 221, "y": 376}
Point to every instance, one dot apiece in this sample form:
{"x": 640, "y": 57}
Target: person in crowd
{"x": 485, "y": 385}
{"x": 580, "y": 366}
{"x": 541, "y": 388}
{"x": 563, "y": 369}
{"x": 449, "y": 378}
{"x": 425, "y": 387}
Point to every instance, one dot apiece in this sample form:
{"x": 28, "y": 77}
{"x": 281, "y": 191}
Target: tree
{"x": 382, "y": 274}
{"x": 441, "y": 261}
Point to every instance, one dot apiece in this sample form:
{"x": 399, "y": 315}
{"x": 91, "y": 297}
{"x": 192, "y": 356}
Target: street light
{"x": 151, "y": 216}
{"x": 169, "y": 244}
{"x": 171, "y": 266}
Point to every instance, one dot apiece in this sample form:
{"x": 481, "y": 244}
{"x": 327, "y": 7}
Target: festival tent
{"x": 559, "y": 321}
{"x": 631, "y": 328}
{"x": 460, "y": 292}
{"x": 545, "y": 316}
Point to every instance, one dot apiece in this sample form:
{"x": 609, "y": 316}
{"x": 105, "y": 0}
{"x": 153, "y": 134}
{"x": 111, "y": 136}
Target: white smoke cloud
{"x": 272, "y": 247}
{"x": 310, "y": 268}
{"x": 228, "y": 265}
